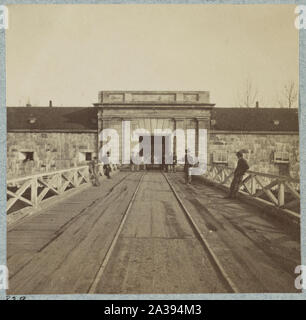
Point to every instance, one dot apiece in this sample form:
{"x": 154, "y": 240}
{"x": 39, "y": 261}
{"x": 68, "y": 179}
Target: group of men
{"x": 166, "y": 166}
{"x": 241, "y": 168}
{"x": 94, "y": 170}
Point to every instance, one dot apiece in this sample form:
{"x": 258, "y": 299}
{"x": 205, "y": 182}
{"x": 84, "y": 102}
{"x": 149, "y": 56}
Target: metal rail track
{"x": 215, "y": 261}
{"x": 99, "y": 274}
{"x": 64, "y": 227}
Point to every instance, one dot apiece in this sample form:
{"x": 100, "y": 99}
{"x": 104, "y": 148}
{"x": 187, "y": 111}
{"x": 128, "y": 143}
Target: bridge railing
{"x": 280, "y": 191}
{"x": 32, "y": 190}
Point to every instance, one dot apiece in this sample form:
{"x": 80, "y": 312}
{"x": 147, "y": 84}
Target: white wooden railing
{"x": 32, "y": 190}
{"x": 280, "y": 191}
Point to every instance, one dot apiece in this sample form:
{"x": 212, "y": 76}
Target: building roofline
{"x": 253, "y": 132}
{"x": 53, "y": 130}
{"x": 48, "y": 107}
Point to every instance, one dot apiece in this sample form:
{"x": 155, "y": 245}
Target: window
{"x": 220, "y": 157}
{"x": 85, "y": 156}
{"x": 26, "y": 156}
{"x": 281, "y": 157}
{"x": 88, "y": 156}
{"x": 32, "y": 120}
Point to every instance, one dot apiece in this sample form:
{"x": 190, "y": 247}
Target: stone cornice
{"x": 171, "y": 106}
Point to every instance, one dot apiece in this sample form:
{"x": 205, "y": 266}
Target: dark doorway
{"x": 157, "y": 162}
{"x": 88, "y": 156}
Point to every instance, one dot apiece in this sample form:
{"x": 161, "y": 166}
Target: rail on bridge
{"x": 279, "y": 192}
{"x": 31, "y": 191}
{"x": 148, "y": 232}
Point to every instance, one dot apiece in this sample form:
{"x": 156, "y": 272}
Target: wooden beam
{"x": 267, "y": 192}
{"x": 292, "y": 190}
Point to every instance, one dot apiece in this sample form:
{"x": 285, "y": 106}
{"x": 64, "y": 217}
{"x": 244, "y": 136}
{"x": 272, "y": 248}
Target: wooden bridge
{"x": 149, "y": 232}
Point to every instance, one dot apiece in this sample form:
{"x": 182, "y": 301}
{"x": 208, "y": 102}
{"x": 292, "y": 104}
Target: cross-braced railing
{"x": 32, "y": 190}
{"x": 281, "y": 191}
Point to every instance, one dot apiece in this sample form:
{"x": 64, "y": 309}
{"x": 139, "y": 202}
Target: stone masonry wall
{"x": 52, "y": 151}
{"x": 55, "y": 151}
{"x": 261, "y": 148}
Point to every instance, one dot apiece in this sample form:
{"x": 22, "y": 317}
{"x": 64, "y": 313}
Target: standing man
{"x": 187, "y": 166}
{"x": 174, "y": 162}
{"x": 242, "y": 167}
{"x": 93, "y": 173}
{"x": 163, "y": 166}
{"x": 169, "y": 162}
{"x": 142, "y": 163}
{"x": 106, "y": 165}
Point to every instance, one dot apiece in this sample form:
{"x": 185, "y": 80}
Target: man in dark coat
{"x": 93, "y": 172}
{"x": 187, "y": 166}
{"x": 174, "y": 163}
{"x": 106, "y": 165}
{"x": 242, "y": 167}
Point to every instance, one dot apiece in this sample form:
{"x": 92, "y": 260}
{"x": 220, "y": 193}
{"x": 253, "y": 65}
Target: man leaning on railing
{"x": 242, "y": 167}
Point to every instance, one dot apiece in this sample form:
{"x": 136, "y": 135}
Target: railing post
{"x": 75, "y": 178}
{"x": 222, "y": 175}
{"x": 34, "y": 187}
{"x": 281, "y": 194}
{"x": 253, "y": 185}
{"x": 59, "y": 183}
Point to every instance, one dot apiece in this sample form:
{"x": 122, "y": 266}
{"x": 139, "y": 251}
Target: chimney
{"x": 50, "y": 103}
{"x": 257, "y": 104}
{"x": 28, "y": 104}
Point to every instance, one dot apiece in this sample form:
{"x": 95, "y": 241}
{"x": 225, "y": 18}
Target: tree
{"x": 288, "y": 98}
{"x": 248, "y": 95}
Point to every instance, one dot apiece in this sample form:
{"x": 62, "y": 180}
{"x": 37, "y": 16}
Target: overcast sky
{"x": 67, "y": 53}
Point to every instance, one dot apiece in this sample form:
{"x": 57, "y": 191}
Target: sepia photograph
{"x": 152, "y": 149}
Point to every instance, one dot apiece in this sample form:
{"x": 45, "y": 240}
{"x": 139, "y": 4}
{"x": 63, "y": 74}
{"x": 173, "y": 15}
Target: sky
{"x": 68, "y": 53}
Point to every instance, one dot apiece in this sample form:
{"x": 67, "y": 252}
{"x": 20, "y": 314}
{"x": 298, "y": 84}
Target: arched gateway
{"x": 163, "y": 111}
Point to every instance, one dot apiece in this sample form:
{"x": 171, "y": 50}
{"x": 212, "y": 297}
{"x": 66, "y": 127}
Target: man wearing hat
{"x": 242, "y": 167}
{"x": 93, "y": 172}
{"x": 107, "y": 165}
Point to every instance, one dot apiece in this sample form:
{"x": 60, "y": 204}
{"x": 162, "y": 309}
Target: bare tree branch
{"x": 288, "y": 98}
{"x": 247, "y": 97}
